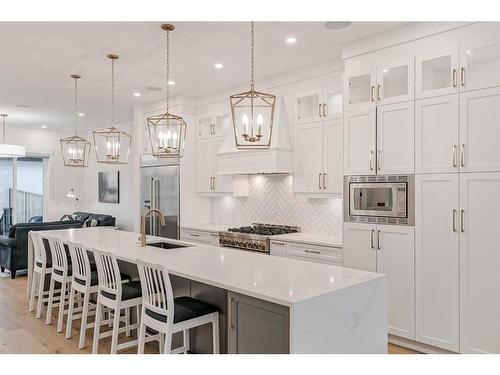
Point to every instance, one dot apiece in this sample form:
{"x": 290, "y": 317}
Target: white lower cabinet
{"x": 386, "y": 249}
{"x": 207, "y": 238}
{"x": 479, "y": 263}
{"x": 313, "y": 253}
{"x": 437, "y": 260}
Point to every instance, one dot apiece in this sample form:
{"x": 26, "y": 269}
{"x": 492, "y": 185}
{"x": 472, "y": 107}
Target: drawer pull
{"x": 313, "y": 251}
{"x": 278, "y": 243}
{"x": 194, "y": 235}
{"x": 214, "y": 235}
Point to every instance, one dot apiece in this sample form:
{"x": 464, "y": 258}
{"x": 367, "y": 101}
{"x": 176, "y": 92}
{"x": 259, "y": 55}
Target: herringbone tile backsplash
{"x": 271, "y": 200}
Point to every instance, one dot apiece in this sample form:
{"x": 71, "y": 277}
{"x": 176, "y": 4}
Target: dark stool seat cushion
{"x": 94, "y": 280}
{"x": 185, "y": 308}
{"x": 130, "y": 290}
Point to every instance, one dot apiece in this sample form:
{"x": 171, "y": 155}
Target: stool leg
{"x": 186, "y": 340}
{"x": 40, "y": 295}
{"x": 116, "y": 327}
{"x": 32, "y": 296}
{"x": 70, "y": 313}
{"x": 51, "y": 301}
{"x": 97, "y": 328}
{"x": 142, "y": 338}
{"x": 60, "y": 318}
{"x": 215, "y": 332}
{"x": 85, "y": 313}
{"x": 127, "y": 322}
{"x": 162, "y": 342}
{"x": 168, "y": 342}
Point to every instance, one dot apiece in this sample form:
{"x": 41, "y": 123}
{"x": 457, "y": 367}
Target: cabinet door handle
{"x": 324, "y": 180}
{"x": 379, "y": 153}
{"x": 462, "y": 76}
{"x": 378, "y": 91}
{"x": 372, "y": 93}
{"x": 210, "y": 183}
{"x": 454, "y": 77}
{"x": 371, "y": 239}
{"x": 454, "y": 219}
{"x": 462, "y": 155}
{"x": 312, "y": 251}
{"x": 213, "y": 128}
{"x": 371, "y": 160}
{"x": 454, "y": 155}
{"x": 213, "y": 184}
{"x": 319, "y": 110}
{"x": 230, "y": 313}
{"x": 462, "y": 221}
{"x": 324, "y": 109}
{"x": 194, "y": 235}
{"x": 378, "y": 240}
{"x": 319, "y": 181}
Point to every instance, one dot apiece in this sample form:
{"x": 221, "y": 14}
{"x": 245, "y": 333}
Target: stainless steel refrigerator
{"x": 160, "y": 189}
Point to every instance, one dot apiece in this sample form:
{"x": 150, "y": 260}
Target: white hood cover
{"x": 276, "y": 159}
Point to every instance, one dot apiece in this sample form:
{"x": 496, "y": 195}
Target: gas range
{"x": 255, "y": 237}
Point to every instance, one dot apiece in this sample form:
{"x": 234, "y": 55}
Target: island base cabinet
{"x": 256, "y": 326}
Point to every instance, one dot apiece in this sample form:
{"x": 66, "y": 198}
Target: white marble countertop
{"x": 275, "y": 279}
{"x": 212, "y": 228}
{"x": 309, "y": 238}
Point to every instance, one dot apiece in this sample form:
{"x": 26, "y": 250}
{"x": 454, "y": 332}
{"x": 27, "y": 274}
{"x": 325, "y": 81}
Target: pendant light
{"x": 6, "y": 150}
{"x": 252, "y": 112}
{"x": 75, "y": 150}
{"x": 112, "y": 146}
{"x": 167, "y": 132}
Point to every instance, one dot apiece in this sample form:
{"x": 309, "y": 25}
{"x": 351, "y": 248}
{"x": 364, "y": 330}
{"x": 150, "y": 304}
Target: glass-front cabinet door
{"x": 437, "y": 74}
{"x": 395, "y": 82}
{"x": 480, "y": 65}
{"x": 221, "y": 125}
{"x": 332, "y": 106}
{"x": 359, "y": 89}
{"x": 308, "y": 106}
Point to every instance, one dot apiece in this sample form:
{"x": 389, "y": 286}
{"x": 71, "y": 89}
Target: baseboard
{"x": 417, "y": 346}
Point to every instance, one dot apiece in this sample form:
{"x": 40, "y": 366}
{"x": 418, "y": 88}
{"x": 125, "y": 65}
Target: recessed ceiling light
{"x": 218, "y": 66}
{"x": 337, "y": 25}
{"x": 153, "y": 88}
{"x": 291, "y": 40}
{"x": 171, "y": 83}
{"x": 21, "y": 105}
{"x": 81, "y": 114}
{"x": 137, "y": 94}
{"x": 44, "y": 126}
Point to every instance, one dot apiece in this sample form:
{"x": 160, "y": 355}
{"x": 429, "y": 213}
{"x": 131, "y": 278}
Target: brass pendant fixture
{"x": 75, "y": 150}
{"x": 252, "y": 112}
{"x": 167, "y": 132}
{"x": 112, "y": 146}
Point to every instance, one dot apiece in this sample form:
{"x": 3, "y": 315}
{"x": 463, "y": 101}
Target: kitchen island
{"x": 269, "y": 304}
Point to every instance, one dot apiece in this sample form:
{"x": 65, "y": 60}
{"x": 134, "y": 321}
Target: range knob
{"x": 262, "y": 246}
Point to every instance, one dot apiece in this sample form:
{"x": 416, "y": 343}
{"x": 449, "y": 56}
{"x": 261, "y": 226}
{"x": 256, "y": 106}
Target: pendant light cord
{"x": 168, "y": 70}
{"x": 76, "y": 106}
{"x": 252, "y": 58}
{"x": 112, "y": 92}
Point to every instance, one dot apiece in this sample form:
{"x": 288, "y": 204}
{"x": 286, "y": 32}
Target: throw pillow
{"x": 90, "y": 223}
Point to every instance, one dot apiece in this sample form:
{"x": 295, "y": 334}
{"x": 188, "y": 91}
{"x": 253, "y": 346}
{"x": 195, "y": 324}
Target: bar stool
{"x": 61, "y": 273}
{"x": 41, "y": 268}
{"x": 167, "y": 315}
{"x": 112, "y": 294}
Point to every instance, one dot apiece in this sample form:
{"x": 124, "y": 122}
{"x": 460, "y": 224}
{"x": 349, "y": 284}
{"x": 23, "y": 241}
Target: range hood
{"x": 275, "y": 160}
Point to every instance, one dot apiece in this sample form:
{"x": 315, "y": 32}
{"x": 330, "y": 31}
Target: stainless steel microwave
{"x": 380, "y": 199}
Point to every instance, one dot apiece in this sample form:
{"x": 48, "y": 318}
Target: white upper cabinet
{"x": 324, "y": 103}
{"x": 480, "y": 64}
{"x": 205, "y": 126}
{"x": 333, "y": 103}
{"x": 308, "y": 158}
{"x": 436, "y": 74}
{"x": 359, "y": 88}
{"x": 436, "y": 135}
{"x": 437, "y": 223}
{"x": 359, "y": 142}
{"x": 395, "y": 138}
{"x": 395, "y": 81}
{"x": 206, "y": 167}
{"x": 395, "y": 258}
{"x": 213, "y": 125}
{"x": 480, "y": 130}
{"x": 479, "y": 260}
{"x": 333, "y": 165}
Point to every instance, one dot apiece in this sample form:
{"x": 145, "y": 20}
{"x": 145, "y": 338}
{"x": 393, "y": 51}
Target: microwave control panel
{"x": 401, "y": 199}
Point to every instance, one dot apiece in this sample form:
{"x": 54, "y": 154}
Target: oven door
{"x": 373, "y": 199}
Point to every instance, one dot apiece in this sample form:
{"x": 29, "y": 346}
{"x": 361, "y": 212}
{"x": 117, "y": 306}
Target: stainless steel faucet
{"x": 143, "y": 223}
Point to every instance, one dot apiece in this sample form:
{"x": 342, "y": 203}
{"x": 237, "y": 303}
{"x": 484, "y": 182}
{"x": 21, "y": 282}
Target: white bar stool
{"x": 61, "y": 273}
{"x": 41, "y": 268}
{"x": 112, "y": 294}
{"x": 168, "y": 315}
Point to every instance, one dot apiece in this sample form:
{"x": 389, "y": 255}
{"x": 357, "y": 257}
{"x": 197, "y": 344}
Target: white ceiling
{"x": 36, "y": 60}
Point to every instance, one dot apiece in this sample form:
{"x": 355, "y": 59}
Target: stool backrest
{"x": 80, "y": 262}
{"x": 157, "y": 294}
{"x": 59, "y": 256}
{"x": 39, "y": 248}
{"x": 108, "y": 273}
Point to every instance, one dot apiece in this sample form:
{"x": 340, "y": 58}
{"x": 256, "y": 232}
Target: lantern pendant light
{"x": 75, "y": 150}
{"x": 252, "y": 112}
{"x": 167, "y": 132}
{"x": 6, "y": 150}
{"x": 112, "y": 146}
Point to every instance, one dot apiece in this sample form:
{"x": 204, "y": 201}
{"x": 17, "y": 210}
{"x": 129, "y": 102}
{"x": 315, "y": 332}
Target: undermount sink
{"x": 165, "y": 245}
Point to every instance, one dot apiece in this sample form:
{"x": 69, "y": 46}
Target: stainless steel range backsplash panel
{"x": 271, "y": 200}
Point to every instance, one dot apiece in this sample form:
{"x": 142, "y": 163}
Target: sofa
{"x": 14, "y": 246}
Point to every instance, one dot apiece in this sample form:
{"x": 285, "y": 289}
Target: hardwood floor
{"x": 21, "y": 332}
